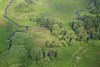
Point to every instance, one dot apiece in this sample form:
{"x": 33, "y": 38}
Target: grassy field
{"x": 4, "y": 32}
{"x": 78, "y": 55}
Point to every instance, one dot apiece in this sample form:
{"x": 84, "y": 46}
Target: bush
{"x": 78, "y": 28}
{"x": 15, "y": 55}
{"x": 36, "y": 53}
{"x": 92, "y": 26}
{"x": 29, "y": 1}
{"x": 56, "y": 44}
{"x": 52, "y": 44}
{"x": 52, "y": 53}
{"x": 44, "y": 61}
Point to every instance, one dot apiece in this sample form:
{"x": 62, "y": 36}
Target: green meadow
{"x": 48, "y": 32}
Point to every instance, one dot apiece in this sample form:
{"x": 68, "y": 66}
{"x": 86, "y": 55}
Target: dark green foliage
{"x": 44, "y": 55}
{"x": 69, "y": 38}
{"x": 55, "y": 30}
{"x": 52, "y": 53}
{"x": 44, "y": 61}
{"x": 36, "y": 53}
{"x": 63, "y": 31}
{"x": 15, "y": 56}
{"x": 94, "y": 6}
{"x": 51, "y": 24}
{"x": 92, "y": 26}
{"x": 39, "y": 55}
{"x": 88, "y": 26}
{"x": 47, "y": 23}
{"x": 29, "y": 1}
{"x": 78, "y": 27}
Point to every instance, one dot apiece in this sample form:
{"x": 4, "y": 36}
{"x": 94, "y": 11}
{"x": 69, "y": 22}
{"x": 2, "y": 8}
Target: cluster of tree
{"x": 17, "y": 56}
{"x": 20, "y": 55}
{"x": 92, "y": 25}
{"x": 43, "y": 56}
{"x": 50, "y": 24}
{"x": 52, "y": 44}
{"x": 78, "y": 28}
{"x": 94, "y": 6}
{"x": 58, "y": 29}
{"x": 88, "y": 25}
{"x": 69, "y": 38}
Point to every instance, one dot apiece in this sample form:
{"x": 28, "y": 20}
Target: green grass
{"x": 6, "y": 27}
{"x": 3, "y": 30}
{"x": 57, "y": 9}
{"x": 91, "y": 57}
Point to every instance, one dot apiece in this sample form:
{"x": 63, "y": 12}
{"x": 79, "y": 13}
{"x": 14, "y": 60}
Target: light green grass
{"x": 6, "y": 27}
{"x": 3, "y": 31}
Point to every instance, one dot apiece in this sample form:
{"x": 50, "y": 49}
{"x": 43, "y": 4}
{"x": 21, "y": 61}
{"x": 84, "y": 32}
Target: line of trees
{"x": 87, "y": 26}
{"x": 57, "y": 29}
{"x": 44, "y": 56}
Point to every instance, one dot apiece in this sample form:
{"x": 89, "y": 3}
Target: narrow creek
{"x": 6, "y": 17}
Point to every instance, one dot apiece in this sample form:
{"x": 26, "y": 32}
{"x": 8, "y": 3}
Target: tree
{"x": 54, "y": 53}
{"x": 94, "y": 7}
{"x": 15, "y": 55}
{"x": 29, "y": 1}
{"x": 44, "y": 61}
{"x": 92, "y": 25}
{"x": 78, "y": 27}
{"x": 36, "y": 53}
{"x": 56, "y": 44}
{"x": 48, "y": 43}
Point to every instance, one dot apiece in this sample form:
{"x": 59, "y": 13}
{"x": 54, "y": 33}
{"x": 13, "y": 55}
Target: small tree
{"x": 29, "y": 1}
{"x": 44, "y": 61}
{"x": 36, "y": 53}
{"x": 54, "y": 53}
{"x": 15, "y": 56}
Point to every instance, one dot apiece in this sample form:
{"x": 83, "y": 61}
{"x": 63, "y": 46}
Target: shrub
{"x": 78, "y": 28}
{"x": 30, "y": 1}
{"x": 52, "y": 44}
{"x": 54, "y": 53}
{"x": 44, "y": 61}
{"x": 36, "y": 53}
{"x": 15, "y": 56}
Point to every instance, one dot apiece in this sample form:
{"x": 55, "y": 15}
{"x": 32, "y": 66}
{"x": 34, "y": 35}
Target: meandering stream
{"x": 6, "y": 17}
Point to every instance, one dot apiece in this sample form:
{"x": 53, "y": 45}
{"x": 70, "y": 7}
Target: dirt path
{"x": 77, "y": 56}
